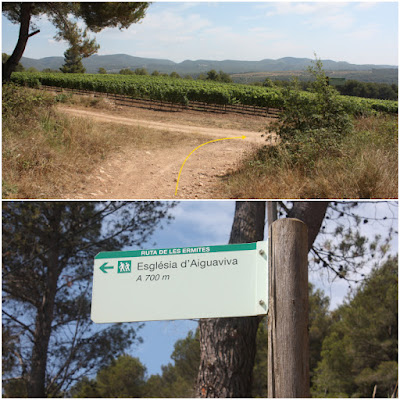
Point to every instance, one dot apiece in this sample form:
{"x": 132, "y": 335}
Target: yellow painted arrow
{"x": 211, "y": 141}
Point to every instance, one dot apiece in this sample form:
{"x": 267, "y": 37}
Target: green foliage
{"x": 351, "y": 87}
{"x": 126, "y": 71}
{"x": 121, "y": 15}
{"x": 51, "y": 71}
{"x": 186, "y": 356}
{"x": 178, "y": 380}
{"x": 15, "y": 387}
{"x": 268, "y": 83}
{"x": 370, "y": 90}
{"x": 319, "y": 322}
{"x": 73, "y": 62}
{"x": 212, "y": 75}
{"x": 47, "y": 279}
{"x": 351, "y": 351}
{"x": 123, "y": 377}
{"x": 362, "y": 348}
{"x": 181, "y": 91}
{"x": 311, "y": 128}
{"x": 18, "y": 101}
{"x": 224, "y": 77}
{"x": 64, "y": 15}
{"x": 141, "y": 71}
{"x": 220, "y": 76}
{"x": 102, "y": 71}
{"x": 260, "y": 369}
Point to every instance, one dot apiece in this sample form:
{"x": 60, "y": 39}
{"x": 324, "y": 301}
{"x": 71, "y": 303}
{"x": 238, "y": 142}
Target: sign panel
{"x": 180, "y": 283}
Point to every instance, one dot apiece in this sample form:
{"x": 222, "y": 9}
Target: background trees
{"x": 213, "y": 75}
{"x": 341, "y": 250}
{"x": 345, "y": 258}
{"x": 359, "y": 356}
{"x": 123, "y": 377}
{"x": 48, "y": 248}
{"x": 63, "y": 16}
{"x": 342, "y": 364}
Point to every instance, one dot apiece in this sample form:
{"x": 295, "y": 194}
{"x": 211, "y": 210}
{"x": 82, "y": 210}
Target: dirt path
{"x": 153, "y": 173}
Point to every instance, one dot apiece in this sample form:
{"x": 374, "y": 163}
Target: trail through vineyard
{"x": 143, "y": 172}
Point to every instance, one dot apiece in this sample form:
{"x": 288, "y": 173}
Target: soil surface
{"x": 153, "y": 173}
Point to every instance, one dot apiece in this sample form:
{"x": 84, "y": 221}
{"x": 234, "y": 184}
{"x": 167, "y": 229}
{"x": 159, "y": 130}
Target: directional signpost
{"x": 180, "y": 283}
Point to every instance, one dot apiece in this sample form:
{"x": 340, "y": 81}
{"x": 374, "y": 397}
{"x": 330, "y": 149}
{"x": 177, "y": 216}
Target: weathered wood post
{"x": 288, "y": 348}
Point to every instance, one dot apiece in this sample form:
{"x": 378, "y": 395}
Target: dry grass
{"x": 45, "y": 152}
{"x": 186, "y": 117}
{"x": 366, "y": 168}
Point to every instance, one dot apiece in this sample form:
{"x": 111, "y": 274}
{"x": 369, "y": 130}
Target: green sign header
{"x": 177, "y": 251}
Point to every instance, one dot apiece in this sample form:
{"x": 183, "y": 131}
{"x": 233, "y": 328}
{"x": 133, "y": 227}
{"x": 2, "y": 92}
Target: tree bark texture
{"x": 23, "y": 37}
{"x": 288, "y": 353}
{"x": 228, "y": 345}
{"x": 45, "y": 313}
{"x": 312, "y": 213}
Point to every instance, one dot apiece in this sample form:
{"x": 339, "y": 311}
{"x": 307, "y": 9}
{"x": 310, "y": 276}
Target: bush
{"x": 311, "y": 127}
{"x": 23, "y": 101}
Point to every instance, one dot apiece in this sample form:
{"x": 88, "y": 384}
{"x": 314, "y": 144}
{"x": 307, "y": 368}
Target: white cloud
{"x": 170, "y": 22}
{"x": 365, "y": 5}
{"x": 286, "y": 8}
{"x": 316, "y": 14}
{"x": 364, "y": 32}
{"x": 166, "y": 27}
{"x": 336, "y": 21}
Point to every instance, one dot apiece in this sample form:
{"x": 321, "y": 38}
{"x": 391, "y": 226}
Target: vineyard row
{"x": 184, "y": 92}
{"x": 122, "y": 100}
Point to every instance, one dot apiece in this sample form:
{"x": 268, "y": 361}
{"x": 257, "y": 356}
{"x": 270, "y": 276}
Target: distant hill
{"x": 116, "y": 62}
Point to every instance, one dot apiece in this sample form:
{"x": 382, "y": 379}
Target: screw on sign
{"x": 167, "y": 284}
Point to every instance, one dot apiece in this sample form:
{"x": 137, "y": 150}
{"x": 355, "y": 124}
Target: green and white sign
{"x": 180, "y": 283}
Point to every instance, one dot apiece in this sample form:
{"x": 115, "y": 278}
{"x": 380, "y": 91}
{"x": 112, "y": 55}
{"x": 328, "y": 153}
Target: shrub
{"x": 18, "y": 100}
{"x": 311, "y": 127}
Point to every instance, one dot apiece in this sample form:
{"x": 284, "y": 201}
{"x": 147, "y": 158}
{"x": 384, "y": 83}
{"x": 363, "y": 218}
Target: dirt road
{"x": 153, "y": 173}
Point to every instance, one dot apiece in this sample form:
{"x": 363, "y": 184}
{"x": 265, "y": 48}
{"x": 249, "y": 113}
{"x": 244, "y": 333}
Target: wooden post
{"x": 272, "y": 212}
{"x": 288, "y": 353}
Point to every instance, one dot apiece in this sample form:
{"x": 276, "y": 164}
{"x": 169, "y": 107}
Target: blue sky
{"x": 199, "y": 223}
{"x": 356, "y": 32}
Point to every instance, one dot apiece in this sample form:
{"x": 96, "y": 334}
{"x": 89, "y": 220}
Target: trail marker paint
{"x": 211, "y": 141}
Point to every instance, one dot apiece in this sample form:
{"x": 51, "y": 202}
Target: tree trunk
{"x": 228, "y": 345}
{"x": 312, "y": 213}
{"x": 10, "y": 65}
{"x": 288, "y": 347}
{"x": 45, "y": 314}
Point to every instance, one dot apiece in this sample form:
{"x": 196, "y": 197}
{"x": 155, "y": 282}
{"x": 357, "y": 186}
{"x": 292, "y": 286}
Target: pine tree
{"x": 73, "y": 62}
{"x": 63, "y": 15}
{"x": 360, "y": 354}
{"x": 122, "y": 377}
{"x": 48, "y": 251}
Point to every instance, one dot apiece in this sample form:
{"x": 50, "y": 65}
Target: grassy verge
{"x": 364, "y": 165}
{"x": 45, "y": 153}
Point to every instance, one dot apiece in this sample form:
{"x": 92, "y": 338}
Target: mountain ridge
{"x": 116, "y": 62}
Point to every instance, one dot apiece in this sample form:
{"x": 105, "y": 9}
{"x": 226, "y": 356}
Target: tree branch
{"x": 33, "y": 33}
{"x": 26, "y": 327}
